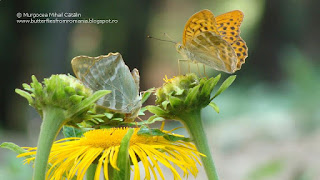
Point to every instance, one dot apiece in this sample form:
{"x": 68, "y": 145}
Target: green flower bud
{"x": 184, "y": 94}
{"x": 61, "y": 91}
{"x": 64, "y": 92}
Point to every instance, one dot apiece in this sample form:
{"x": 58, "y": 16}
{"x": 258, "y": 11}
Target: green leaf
{"x": 146, "y": 95}
{"x": 216, "y": 80}
{"x": 178, "y": 91}
{"x": 76, "y": 99}
{"x": 96, "y": 120}
{"x": 25, "y": 95}
{"x": 214, "y": 106}
{"x": 144, "y": 131}
{"x": 123, "y": 160}
{"x": 86, "y": 103}
{"x": 99, "y": 120}
{"x": 116, "y": 119}
{"x": 156, "y": 110}
{"x": 165, "y": 104}
{"x": 150, "y": 132}
{"x": 155, "y": 118}
{"x": 70, "y": 90}
{"x": 151, "y": 120}
{"x": 175, "y": 102}
{"x": 192, "y": 95}
{"x": 207, "y": 87}
{"x": 108, "y": 115}
{"x": 15, "y": 148}
{"x": 91, "y": 171}
{"x": 174, "y": 138}
{"x": 225, "y": 85}
{"x": 69, "y": 131}
{"x": 27, "y": 87}
{"x": 37, "y": 86}
{"x": 141, "y": 111}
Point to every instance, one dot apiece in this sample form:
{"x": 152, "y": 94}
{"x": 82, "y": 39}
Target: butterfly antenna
{"x": 169, "y": 37}
{"x": 161, "y": 39}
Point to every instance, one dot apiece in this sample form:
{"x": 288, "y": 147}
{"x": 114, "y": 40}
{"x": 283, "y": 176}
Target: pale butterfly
{"x": 214, "y": 41}
{"x": 109, "y": 72}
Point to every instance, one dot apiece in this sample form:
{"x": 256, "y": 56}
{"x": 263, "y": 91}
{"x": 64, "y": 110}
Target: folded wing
{"x": 109, "y": 73}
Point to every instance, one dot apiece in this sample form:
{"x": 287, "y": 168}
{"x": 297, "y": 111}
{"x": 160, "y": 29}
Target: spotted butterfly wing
{"x": 109, "y": 72}
{"x": 210, "y": 49}
{"x": 204, "y": 43}
{"x": 229, "y": 27}
{"x": 199, "y": 22}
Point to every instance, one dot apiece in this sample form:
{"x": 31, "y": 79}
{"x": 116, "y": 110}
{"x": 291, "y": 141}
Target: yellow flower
{"x": 167, "y": 80}
{"x": 74, "y": 155}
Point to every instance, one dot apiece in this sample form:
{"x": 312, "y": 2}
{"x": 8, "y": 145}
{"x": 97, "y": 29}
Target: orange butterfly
{"x": 214, "y": 41}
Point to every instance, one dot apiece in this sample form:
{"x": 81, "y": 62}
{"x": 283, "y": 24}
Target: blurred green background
{"x": 268, "y": 126}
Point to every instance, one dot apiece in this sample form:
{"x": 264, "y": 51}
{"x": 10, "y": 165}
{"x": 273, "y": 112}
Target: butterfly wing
{"x": 110, "y": 73}
{"x": 210, "y": 49}
{"x": 204, "y": 43}
{"x": 199, "y": 22}
{"x": 229, "y": 27}
{"x": 241, "y": 51}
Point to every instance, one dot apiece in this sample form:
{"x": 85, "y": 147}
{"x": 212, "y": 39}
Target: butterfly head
{"x": 181, "y": 49}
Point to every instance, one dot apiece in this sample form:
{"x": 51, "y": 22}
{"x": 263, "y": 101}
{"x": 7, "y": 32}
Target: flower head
{"x": 184, "y": 94}
{"x": 72, "y": 156}
{"x": 59, "y": 90}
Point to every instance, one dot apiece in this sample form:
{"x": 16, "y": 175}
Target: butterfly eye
{"x": 179, "y": 47}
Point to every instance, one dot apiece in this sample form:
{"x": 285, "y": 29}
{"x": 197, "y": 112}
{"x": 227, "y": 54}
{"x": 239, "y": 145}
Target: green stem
{"x": 91, "y": 171}
{"x": 53, "y": 119}
{"x": 193, "y": 123}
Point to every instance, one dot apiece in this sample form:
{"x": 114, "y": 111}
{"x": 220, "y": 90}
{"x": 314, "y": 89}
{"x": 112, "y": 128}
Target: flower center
{"x": 106, "y": 138}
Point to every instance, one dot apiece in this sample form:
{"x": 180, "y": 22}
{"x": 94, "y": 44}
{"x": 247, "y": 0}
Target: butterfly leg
{"x": 141, "y": 121}
{"x": 198, "y": 70}
{"x": 204, "y": 70}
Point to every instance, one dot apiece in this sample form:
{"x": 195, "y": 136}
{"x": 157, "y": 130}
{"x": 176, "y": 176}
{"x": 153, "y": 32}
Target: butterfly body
{"x": 109, "y": 72}
{"x": 215, "y": 42}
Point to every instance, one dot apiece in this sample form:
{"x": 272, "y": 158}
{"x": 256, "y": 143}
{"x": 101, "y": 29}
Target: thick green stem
{"x": 193, "y": 123}
{"x": 53, "y": 119}
{"x": 91, "y": 171}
